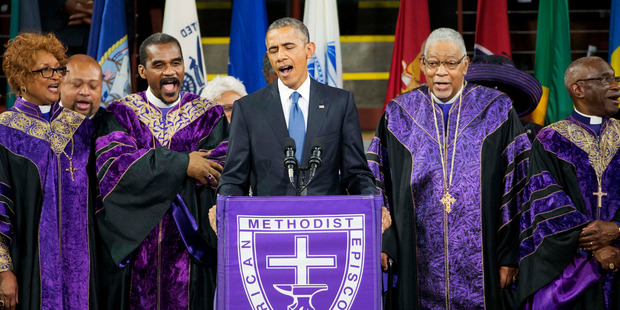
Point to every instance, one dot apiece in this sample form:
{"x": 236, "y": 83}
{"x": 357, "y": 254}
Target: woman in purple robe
{"x": 44, "y": 201}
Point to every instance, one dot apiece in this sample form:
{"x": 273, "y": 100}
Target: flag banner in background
{"x": 321, "y": 18}
{"x": 13, "y": 31}
{"x": 614, "y": 36}
{"x": 29, "y": 16}
{"x": 247, "y": 43}
{"x": 552, "y": 58}
{"x": 412, "y": 29}
{"x": 492, "y": 30}
{"x": 181, "y": 22}
{"x": 108, "y": 45}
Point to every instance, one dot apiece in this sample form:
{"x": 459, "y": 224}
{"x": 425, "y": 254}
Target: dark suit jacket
{"x": 256, "y": 155}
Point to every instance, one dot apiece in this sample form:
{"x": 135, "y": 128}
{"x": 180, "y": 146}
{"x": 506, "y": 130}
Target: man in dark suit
{"x": 295, "y": 106}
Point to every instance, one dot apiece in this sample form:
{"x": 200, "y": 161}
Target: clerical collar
{"x": 451, "y": 101}
{"x": 587, "y": 119}
{"x": 157, "y": 102}
{"x": 45, "y": 108}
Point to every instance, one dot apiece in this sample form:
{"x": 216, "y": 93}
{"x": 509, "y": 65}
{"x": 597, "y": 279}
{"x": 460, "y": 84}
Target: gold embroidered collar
{"x": 176, "y": 119}
{"x": 600, "y": 152}
{"x": 58, "y": 133}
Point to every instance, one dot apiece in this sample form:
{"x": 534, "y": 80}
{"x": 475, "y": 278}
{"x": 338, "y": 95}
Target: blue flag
{"x": 108, "y": 45}
{"x": 247, "y": 43}
{"x": 614, "y": 36}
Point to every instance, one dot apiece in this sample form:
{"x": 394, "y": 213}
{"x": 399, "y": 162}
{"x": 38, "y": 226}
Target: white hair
{"x": 221, "y": 84}
{"x": 446, "y": 34}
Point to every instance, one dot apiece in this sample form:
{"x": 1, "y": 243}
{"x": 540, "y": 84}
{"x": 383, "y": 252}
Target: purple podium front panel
{"x": 311, "y": 252}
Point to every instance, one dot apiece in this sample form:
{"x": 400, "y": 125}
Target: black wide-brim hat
{"x": 499, "y": 72}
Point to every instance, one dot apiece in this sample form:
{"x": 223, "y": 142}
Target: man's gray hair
{"x": 446, "y": 34}
{"x": 221, "y": 84}
{"x": 576, "y": 70}
{"x": 291, "y": 22}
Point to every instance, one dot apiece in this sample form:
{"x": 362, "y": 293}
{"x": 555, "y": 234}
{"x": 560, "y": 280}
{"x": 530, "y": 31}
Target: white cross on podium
{"x": 301, "y": 261}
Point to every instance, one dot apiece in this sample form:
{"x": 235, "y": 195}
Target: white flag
{"x": 321, "y": 18}
{"x": 181, "y": 22}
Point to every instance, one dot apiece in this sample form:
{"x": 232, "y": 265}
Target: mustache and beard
{"x": 167, "y": 85}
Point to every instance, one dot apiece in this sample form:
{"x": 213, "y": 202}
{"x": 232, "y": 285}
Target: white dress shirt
{"x": 304, "y": 100}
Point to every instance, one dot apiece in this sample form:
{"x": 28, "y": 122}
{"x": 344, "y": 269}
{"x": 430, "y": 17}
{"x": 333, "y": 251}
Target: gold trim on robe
{"x": 176, "y": 119}
{"x": 58, "y": 133}
{"x": 599, "y": 152}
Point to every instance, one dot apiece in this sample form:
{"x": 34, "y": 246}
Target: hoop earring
{"x": 23, "y": 89}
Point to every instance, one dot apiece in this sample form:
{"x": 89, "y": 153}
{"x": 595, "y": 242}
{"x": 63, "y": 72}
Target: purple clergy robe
{"x": 44, "y": 205}
{"x": 154, "y": 220}
{"x": 450, "y": 259}
{"x": 566, "y": 159}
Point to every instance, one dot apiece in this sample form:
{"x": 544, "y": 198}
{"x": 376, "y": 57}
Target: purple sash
{"x": 195, "y": 244}
{"x": 562, "y": 292}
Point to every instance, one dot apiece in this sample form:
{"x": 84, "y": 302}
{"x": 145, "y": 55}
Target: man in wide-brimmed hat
{"x": 570, "y": 233}
{"x": 449, "y": 158}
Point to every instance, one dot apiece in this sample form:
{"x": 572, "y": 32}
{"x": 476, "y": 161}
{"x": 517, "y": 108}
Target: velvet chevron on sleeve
{"x": 568, "y": 160}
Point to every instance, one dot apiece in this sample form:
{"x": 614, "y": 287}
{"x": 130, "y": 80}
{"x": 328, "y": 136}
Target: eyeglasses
{"x": 605, "y": 79}
{"x": 49, "y": 72}
{"x": 448, "y": 64}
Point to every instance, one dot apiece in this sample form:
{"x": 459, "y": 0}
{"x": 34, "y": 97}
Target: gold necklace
{"x": 71, "y": 169}
{"x": 447, "y": 200}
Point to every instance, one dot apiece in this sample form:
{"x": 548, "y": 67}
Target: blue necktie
{"x": 297, "y": 126}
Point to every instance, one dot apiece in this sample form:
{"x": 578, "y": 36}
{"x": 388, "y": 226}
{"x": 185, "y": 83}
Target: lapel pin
{"x": 321, "y": 106}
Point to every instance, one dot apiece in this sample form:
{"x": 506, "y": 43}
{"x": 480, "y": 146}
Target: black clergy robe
{"x": 154, "y": 221}
{"x": 567, "y": 164}
{"x": 448, "y": 255}
{"x": 45, "y": 206}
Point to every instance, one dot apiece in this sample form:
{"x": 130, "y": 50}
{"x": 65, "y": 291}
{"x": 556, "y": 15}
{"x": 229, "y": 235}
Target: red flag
{"x": 492, "y": 35}
{"x": 412, "y": 28}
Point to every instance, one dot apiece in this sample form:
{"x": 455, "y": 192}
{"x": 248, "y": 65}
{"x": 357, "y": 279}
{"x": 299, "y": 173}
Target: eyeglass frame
{"x": 56, "y": 70}
{"x": 443, "y": 63}
{"x": 606, "y": 79}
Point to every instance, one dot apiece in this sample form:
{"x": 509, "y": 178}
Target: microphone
{"x": 315, "y": 160}
{"x": 290, "y": 162}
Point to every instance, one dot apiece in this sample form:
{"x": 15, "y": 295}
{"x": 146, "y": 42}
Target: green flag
{"x": 552, "y": 58}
